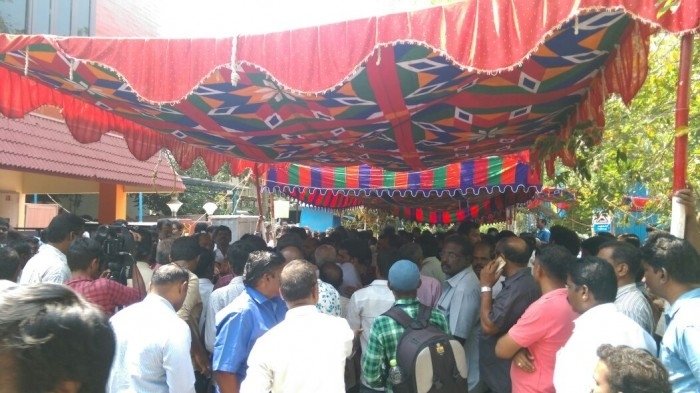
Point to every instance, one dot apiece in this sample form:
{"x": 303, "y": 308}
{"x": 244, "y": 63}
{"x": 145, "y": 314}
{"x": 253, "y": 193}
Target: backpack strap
{"x": 421, "y": 321}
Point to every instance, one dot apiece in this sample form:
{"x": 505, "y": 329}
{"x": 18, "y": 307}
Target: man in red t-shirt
{"x": 83, "y": 260}
{"x": 532, "y": 343}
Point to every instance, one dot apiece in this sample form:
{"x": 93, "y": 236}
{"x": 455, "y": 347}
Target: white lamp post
{"x": 209, "y": 209}
{"x": 174, "y": 204}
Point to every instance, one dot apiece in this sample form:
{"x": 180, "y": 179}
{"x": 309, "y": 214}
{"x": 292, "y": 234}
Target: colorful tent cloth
{"x": 490, "y": 174}
{"x": 408, "y": 91}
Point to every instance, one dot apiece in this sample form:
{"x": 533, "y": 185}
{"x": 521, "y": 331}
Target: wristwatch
{"x": 485, "y": 289}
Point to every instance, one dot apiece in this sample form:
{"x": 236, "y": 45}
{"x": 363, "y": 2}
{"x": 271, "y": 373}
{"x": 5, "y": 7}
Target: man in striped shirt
{"x": 626, "y": 260}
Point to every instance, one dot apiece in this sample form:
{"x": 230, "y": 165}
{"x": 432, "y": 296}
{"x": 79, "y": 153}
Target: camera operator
{"x": 88, "y": 279}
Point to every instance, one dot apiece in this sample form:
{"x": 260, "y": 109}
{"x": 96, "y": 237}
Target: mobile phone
{"x": 501, "y": 265}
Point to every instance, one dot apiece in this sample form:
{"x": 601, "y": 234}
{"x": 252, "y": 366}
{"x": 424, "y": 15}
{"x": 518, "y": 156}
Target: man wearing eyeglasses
{"x": 460, "y": 300}
{"x": 50, "y": 263}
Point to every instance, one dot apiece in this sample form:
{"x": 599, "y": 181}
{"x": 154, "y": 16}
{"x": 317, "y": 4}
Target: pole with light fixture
{"x": 174, "y": 204}
{"x": 209, "y": 209}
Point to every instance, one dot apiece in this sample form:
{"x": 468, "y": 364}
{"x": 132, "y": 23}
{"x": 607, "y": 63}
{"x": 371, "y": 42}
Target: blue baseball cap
{"x": 404, "y": 276}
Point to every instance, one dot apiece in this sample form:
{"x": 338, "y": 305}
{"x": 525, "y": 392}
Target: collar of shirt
{"x": 79, "y": 278}
{"x": 671, "y": 312}
{"x": 454, "y": 280}
{"x": 159, "y": 300}
{"x": 47, "y": 248}
{"x": 379, "y": 283}
{"x": 406, "y": 302}
{"x": 302, "y": 311}
{"x": 595, "y": 314}
{"x": 257, "y": 297}
{"x": 515, "y": 277}
{"x": 625, "y": 289}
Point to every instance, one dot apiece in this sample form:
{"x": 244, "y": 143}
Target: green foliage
{"x": 638, "y": 143}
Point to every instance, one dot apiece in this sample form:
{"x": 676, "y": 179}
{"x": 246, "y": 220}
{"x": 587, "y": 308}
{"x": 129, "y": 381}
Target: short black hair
{"x": 205, "y": 265}
{"x": 410, "y": 251}
{"x": 677, "y": 256}
{"x": 332, "y": 274}
{"x": 237, "y": 255}
{"x": 55, "y": 335}
{"x": 514, "y": 249}
{"x": 633, "y": 370}
{"x": 81, "y": 252}
{"x": 144, "y": 248}
{"x": 170, "y": 274}
{"x": 257, "y": 242}
{"x": 556, "y": 261}
{"x": 623, "y": 252}
{"x": 260, "y": 263}
{"x": 297, "y": 280}
{"x": 429, "y": 244}
{"x": 565, "y": 237}
{"x": 598, "y": 275}
{"x": 62, "y": 226}
{"x": 289, "y": 239}
{"x": 385, "y": 259}
{"x": 9, "y": 263}
{"x": 162, "y": 222}
{"x": 593, "y": 243}
{"x": 464, "y": 244}
{"x": 201, "y": 227}
{"x": 466, "y": 226}
{"x": 357, "y": 248}
{"x": 630, "y": 238}
{"x": 185, "y": 248}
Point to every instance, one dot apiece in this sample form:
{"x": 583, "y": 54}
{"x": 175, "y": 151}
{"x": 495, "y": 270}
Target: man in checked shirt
{"x": 108, "y": 295}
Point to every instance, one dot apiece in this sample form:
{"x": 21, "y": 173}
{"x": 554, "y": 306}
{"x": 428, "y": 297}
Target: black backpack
{"x": 430, "y": 360}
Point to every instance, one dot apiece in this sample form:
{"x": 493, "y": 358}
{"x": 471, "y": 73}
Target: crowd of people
{"x": 310, "y": 312}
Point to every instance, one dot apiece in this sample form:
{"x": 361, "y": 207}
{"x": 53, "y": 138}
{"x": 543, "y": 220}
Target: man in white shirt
{"x": 305, "y": 352}
{"x": 626, "y": 261}
{"x": 461, "y": 300}
{"x": 352, "y": 254}
{"x": 592, "y": 288}
{"x": 153, "y": 343}
{"x": 50, "y": 263}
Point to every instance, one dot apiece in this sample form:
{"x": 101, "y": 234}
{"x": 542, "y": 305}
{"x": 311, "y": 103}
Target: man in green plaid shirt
{"x": 404, "y": 280}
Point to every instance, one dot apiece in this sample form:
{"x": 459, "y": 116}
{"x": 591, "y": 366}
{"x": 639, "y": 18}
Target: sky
{"x": 222, "y": 18}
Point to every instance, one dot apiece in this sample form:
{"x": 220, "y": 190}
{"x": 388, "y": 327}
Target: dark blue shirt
{"x": 247, "y": 318}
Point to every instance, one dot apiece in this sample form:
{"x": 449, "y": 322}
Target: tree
{"x": 637, "y": 145}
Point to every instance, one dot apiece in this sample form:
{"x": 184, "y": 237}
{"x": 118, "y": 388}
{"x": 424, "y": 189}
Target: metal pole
{"x": 140, "y": 207}
{"x": 680, "y": 154}
{"x": 261, "y": 220}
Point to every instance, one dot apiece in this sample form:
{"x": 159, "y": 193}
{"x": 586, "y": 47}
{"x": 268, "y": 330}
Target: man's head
{"x": 63, "y": 229}
{"x": 591, "y": 246}
{"x": 83, "y": 256}
{"x": 412, "y": 252}
{"x": 456, "y": 254}
{"x": 565, "y": 237}
{"x": 355, "y": 251}
{"x": 514, "y": 250}
{"x": 630, "y": 238}
{"x": 470, "y": 231}
{"x": 164, "y": 227}
{"x": 429, "y": 245}
{"x": 9, "y": 263}
{"x": 185, "y": 252}
{"x": 325, "y": 253}
{"x": 625, "y": 369}
{"x": 52, "y": 340}
{"x": 404, "y": 279}
{"x": 291, "y": 253}
{"x": 591, "y": 282}
{"x": 625, "y": 259}
{"x": 332, "y": 274}
{"x": 205, "y": 264}
{"x": 552, "y": 262}
{"x": 170, "y": 282}
{"x": 385, "y": 259}
{"x": 262, "y": 272}
{"x": 308, "y": 246}
{"x": 222, "y": 237}
{"x": 669, "y": 262}
{"x": 163, "y": 250}
{"x": 481, "y": 256}
{"x": 541, "y": 223}
{"x": 298, "y": 283}
{"x": 237, "y": 256}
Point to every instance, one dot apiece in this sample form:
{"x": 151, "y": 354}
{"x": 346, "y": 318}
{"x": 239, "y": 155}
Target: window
{"x": 58, "y": 17}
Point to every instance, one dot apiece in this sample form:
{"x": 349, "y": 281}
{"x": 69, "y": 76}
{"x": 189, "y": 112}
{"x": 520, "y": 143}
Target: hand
{"x": 524, "y": 360}
{"x": 105, "y": 273}
{"x": 488, "y": 276}
{"x": 201, "y": 363}
{"x": 687, "y": 198}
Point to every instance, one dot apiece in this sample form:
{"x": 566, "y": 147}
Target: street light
{"x": 209, "y": 209}
{"x": 174, "y": 204}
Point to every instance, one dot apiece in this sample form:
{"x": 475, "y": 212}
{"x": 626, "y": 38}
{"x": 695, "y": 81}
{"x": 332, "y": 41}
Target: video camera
{"x": 118, "y": 246}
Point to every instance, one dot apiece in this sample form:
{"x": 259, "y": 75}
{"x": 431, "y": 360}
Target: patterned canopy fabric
{"x": 409, "y": 91}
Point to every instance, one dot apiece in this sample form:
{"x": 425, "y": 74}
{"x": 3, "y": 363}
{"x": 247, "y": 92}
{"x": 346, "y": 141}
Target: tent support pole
{"x": 680, "y": 154}
{"x": 261, "y": 220}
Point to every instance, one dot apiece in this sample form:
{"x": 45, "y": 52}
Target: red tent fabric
{"x": 408, "y": 91}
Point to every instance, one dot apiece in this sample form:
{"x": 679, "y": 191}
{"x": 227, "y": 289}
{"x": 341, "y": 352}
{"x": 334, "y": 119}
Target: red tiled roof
{"x": 40, "y": 144}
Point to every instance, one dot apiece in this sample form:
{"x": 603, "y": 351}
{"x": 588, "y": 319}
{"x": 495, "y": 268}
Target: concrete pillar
{"x": 112, "y": 203}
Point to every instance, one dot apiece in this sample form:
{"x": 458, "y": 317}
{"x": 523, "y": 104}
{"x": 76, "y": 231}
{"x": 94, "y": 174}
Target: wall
{"x": 318, "y": 220}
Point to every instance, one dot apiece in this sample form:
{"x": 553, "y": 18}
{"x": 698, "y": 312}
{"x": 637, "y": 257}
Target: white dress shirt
{"x": 48, "y": 265}
{"x": 219, "y": 299}
{"x": 304, "y": 353}
{"x": 206, "y": 287}
{"x": 366, "y": 305}
{"x": 461, "y": 303}
{"x": 351, "y": 278}
{"x": 602, "y": 324}
{"x": 153, "y": 350}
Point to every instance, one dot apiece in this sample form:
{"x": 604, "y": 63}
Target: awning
{"x": 409, "y": 91}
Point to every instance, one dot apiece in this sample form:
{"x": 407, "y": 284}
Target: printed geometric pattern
{"x": 408, "y": 107}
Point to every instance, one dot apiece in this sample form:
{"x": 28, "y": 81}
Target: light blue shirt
{"x": 680, "y": 347}
{"x": 543, "y": 234}
{"x": 249, "y": 316}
